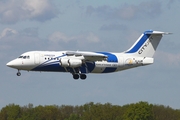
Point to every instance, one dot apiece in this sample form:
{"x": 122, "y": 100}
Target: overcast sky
{"x": 89, "y": 25}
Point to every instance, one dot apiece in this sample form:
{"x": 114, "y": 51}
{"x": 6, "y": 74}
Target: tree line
{"x": 90, "y": 111}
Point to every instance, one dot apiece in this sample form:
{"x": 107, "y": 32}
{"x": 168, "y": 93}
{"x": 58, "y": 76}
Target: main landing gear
{"x": 82, "y": 76}
{"x": 18, "y": 73}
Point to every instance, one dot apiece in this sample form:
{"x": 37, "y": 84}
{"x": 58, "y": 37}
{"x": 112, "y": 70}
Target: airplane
{"x": 80, "y": 63}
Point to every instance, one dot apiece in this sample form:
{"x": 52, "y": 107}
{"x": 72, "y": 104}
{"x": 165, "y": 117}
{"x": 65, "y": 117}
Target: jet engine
{"x": 70, "y": 62}
{"x": 64, "y": 62}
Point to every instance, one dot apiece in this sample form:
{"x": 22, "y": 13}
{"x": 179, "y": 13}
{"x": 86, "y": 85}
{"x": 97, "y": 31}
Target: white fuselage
{"x": 50, "y": 61}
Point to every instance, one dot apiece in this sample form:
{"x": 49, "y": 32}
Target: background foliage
{"x": 90, "y": 111}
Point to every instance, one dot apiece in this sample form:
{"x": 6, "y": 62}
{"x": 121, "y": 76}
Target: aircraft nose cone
{"x": 10, "y": 64}
{"x": 13, "y": 64}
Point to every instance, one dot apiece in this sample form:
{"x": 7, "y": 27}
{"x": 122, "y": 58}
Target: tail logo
{"x": 145, "y": 45}
{"x": 129, "y": 61}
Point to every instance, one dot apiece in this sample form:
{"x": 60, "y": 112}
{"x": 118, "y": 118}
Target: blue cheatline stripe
{"x": 50, "y": 63}
{"x": 140, "y": 42}
{"x": 52, "y": 67}
{"x": 111, "y": 57}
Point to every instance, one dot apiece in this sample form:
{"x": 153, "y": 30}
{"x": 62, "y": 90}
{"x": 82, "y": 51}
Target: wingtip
{"x": 168, "y": 33}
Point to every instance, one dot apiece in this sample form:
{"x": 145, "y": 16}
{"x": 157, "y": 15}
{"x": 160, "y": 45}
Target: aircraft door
{"x": 36, "y": 58}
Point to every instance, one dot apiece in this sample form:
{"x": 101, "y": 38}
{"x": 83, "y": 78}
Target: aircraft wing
{"x": 88, "y": 56}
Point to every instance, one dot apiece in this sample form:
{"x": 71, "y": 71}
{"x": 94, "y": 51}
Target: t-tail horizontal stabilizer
{"x": 146, "y": 44}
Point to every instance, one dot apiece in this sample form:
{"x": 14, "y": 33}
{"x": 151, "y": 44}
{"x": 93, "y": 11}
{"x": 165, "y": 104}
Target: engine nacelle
{"x": 75, "y": 63}
{"x": 70, "y": 62}
{"x": 64, "y": 62}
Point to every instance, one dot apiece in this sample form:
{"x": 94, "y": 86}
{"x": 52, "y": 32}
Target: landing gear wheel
{"x": 75, "y": 76}
{"x": 83, "y": 76}
{"x": 18, "y": 74}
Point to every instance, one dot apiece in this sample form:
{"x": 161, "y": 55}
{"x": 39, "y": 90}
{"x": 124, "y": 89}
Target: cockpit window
{"x": 25, "y": 57}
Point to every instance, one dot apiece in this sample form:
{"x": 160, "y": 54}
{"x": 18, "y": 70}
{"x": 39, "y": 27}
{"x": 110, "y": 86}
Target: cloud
{"x": 8, "y": 32}
{"x": 61, "y": 37}
{"x": 147, "y": 9}
{"x": 30, "y": 32}
{"x": 59, "y": 40}
{"x": 13, "y": 40}
{"x": 12, "y": 11}
{"x": 90, "y": 37}
{"x": 28, "y": 39}
{"x": 6, "y": 41}
{"x": 58, "y": 36}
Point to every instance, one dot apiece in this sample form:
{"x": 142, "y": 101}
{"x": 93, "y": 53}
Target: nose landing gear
{"x": 18, "y": 73}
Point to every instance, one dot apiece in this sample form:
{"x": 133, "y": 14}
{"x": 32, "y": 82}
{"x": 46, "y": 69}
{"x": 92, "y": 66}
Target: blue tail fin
{"x": 146, "y": 44}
